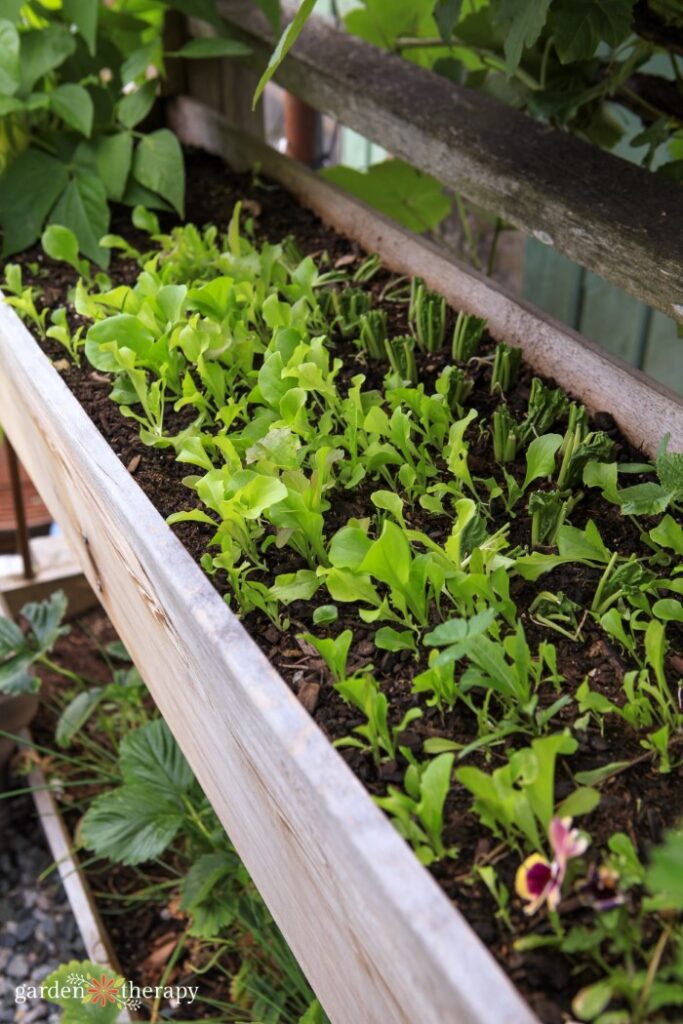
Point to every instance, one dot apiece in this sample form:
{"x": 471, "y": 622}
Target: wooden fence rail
{"x": 610, "y": 216}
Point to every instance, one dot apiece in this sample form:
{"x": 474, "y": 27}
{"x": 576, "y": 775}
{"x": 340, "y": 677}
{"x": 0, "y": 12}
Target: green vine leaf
{"x": 580, "y": 25}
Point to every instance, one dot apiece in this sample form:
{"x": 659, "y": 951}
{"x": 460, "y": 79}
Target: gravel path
{"x": 37, "y": 929}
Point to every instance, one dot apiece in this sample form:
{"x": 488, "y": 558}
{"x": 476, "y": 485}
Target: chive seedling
{"x": 401, "y": 353}
{"x": 428, "y": 318}
{"x": 373, "y": 333}
{"x": 467, "y": 335}
{"x": 504, "y": 435}
{"x": 506, "y": 363}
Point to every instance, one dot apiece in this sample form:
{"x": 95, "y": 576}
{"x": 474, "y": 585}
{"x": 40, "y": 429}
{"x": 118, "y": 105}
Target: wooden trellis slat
{"x": 643, "y": 409}
{"x": 607, "y": 214}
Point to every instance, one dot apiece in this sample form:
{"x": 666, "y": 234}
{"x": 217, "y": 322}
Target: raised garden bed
{"x": 392, "y": 946}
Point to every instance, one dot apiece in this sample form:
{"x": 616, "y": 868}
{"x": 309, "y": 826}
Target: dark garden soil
{"x": 640, "y": 801}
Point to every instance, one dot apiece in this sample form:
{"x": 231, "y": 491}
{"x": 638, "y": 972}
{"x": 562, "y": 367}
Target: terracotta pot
{"x": 37, "y": 516}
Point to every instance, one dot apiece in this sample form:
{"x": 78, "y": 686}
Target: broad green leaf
{"x": 579, "y": 26}
{"x": 131, "y": 824}
{"x": 45, "y": 619}
{"x": 134, "y": 107}
{"x": 325, "y": 614}
{"x": 582, "y": 801}
{"x": 582, "y": 544}
{"x": 593, "y": 999}
{"x": 76, "y": 714}
{"x": 388, "y": 559}
{"x": 158, "y": 165}
{"x": 124, "y": 329}
{"x": 524, "y": 21}
{"x": 42, "y": 50}
{"x": 348, "y": 547}
{"x": 597, "y": 775}
{"x": 668, "y": 609}
{"x": 74, "y": 104}
{"x": 540, "y": 457}
{"x": 150, "y": 757}
{"x": 28, "y": 190}
{"x": 669, "y": 534}
{"x": 83, "y": 14}
{"x": 390, "y": 502}
{"x": 60, "y": 244}
{"x": 389, "y": 639}
{"x": 380, "y": 22}
{"x": 11, "y": 637}
{"x": 446, "y": 15}
{"x": 398, "y": 190}
{"x": 82, "y": 207}
{"x": 114, "y": 159}
{"x": 9, "y": 58}
{"x": 284, "y": 45}
{"x": 647, "y": 499}
{"x": 145, "y": 220}
{"x": 76, "y": 1008}
{"x": 665, "y": 873}
{"x": 214, "y": 46}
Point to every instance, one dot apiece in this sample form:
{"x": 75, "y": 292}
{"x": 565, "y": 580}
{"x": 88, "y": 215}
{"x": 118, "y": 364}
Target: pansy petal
{"x": 533, "y": 875}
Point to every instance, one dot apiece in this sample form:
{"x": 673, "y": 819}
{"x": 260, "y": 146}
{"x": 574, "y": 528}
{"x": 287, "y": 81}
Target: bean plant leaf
{"x": 42, "y": 50}
{"x": 82, "y": 207}
{"x": 580, "y": 25}
{"x": 398, "y": 190}
{"x": 83, "y": 14}
{"x": 134, "y": 107}
{"x": 9, "y": 58}
{"x": 446, "y": 15}
{"x": 114, "y": 159}
{"x": 74, "y": 105}
{"x": 524, "y": 21}
{"x": 28, "y": 189}
{"x": 159, "y": 166}
{"x": 213, "y": 46}
{"x": 131, "y": 824}
{"x": 284, "y": 45}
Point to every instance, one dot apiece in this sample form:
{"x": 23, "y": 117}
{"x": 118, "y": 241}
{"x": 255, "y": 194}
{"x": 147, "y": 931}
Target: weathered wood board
{"x": 377, "y": 938}
{"x": 609, "y": 215}
{"x": 644, "y": 409}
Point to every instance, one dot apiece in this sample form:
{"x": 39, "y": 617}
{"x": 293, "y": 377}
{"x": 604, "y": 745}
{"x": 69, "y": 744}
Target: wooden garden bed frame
{"x": 376, "y": 937}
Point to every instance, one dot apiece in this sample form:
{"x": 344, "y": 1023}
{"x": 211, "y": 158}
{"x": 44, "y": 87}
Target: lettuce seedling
{"x": 23, "y": 300}
{"x": 417, "y": 810}
{"x": 467, "y": 335}
{"x": 60, "y": 331}
{"x": 516, "y": 802}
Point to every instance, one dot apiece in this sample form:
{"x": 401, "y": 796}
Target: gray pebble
{"x": 18, "y": 967}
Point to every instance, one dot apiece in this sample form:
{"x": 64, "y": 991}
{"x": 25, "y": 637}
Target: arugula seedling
{"x": 578, "y": 451}
{"x": 333, "y": 650}
{"x": 377, "y": 737}
{"x": 467, "y": 334}
{"x": 417, "y": 810}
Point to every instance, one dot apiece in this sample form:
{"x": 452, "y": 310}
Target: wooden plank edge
{"x": 376, "y": 937}
{"x": 606, "y": 213}
{"x": 76, "y": 886}
{"x": 644, "y": 409}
